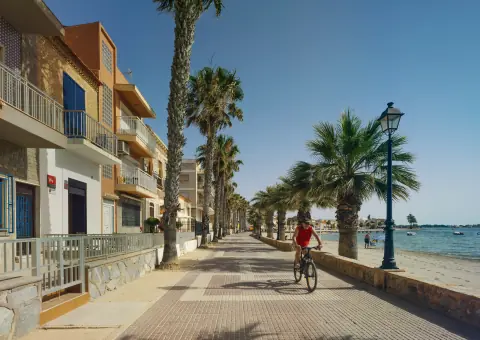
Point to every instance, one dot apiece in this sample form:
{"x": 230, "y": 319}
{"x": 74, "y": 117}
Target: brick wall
{"x": 19, "y": 162}
{"x": 45, "y": 60}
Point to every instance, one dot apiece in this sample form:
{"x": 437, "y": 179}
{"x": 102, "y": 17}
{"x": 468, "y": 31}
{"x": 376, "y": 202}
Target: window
{"x": 107, "y": 57}
{"x": 107, "y": 171}
{"x": 131, "y": 212}
{"x": 107, "y": 102}
{"x": 152, "y": 210}
{"x": 2, "y": 54}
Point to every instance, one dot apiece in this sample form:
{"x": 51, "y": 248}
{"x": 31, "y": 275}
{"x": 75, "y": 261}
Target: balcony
{"x": 160, "y": 187}
{"x": 135, "y": 99}
{"x": 90, "y": 139}
{"x": 31, "y": 17}
{"x": 132, "y": 130}
{"x": 137, "y": 182}
{"x": 28, "y": 117}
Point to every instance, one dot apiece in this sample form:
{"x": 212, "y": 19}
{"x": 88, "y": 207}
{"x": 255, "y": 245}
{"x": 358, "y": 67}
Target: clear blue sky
{"x": 304, "y": 61}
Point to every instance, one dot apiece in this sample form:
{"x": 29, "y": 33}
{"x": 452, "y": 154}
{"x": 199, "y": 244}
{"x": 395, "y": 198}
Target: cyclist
{"x": 303, "y": 234}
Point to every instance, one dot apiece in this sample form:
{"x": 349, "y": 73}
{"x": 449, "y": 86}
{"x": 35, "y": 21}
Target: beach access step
{"x": 55, "y": 306}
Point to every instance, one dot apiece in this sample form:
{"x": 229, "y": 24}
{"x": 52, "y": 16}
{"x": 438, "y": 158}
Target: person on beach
{"x": 303, "y": 234}
{"x": 367, "y": 240}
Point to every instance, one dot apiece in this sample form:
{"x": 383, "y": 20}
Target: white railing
{"x": 24, "y": 96}
{"x": 134, "y": 126}
{"x": 59, "y": 260}
{"x": 136, "y": 176}
{"x": 78, "y": 124}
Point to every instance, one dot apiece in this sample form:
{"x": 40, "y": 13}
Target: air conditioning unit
{"x": 123, "y": 148}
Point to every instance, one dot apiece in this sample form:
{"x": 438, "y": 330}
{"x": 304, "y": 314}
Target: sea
{"x": 440, "y": 241}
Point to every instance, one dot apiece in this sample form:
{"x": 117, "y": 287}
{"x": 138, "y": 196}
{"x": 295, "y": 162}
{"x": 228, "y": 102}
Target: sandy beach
{"x": 456, "y": 273}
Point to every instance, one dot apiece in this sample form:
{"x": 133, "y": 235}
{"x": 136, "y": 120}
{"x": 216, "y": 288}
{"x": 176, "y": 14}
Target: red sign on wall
{"x": 51, "y": 181}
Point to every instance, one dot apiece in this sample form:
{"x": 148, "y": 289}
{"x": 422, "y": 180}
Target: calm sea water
{"x": 436, "y": 241}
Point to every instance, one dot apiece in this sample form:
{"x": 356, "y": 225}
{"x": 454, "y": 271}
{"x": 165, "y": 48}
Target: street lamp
{"x": 389, "y": 121}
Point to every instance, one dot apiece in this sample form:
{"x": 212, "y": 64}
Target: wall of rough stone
{"x": 20, "y": 308}
{"x": 105, "y": 276}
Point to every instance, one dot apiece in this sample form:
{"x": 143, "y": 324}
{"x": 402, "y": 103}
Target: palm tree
{"x": 186, "y": 14}
{"x": 411, "y": 220}
{"x": 255, "y": 218}
{"x": 211, "y": 105}
{"x": 351, "y": 167}
{"x": 229, "y": 164}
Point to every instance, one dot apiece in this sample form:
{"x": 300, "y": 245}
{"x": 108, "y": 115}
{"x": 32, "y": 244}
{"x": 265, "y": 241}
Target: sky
{"x": 305, "y": 61}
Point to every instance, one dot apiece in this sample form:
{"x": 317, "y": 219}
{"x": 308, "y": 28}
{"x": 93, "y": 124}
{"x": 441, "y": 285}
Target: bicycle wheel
{"x": 311, "y": 276}
{"x": 297, "y": 274}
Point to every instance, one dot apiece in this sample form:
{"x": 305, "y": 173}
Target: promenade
{"x": 244, "y": 289}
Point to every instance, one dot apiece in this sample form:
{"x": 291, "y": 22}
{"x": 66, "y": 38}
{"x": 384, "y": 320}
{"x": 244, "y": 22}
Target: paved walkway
{"x": 244, "y": 289}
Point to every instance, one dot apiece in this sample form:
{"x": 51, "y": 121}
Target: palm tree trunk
{"x": 269, "y": 223}
{"x": 225, "y": 212}
{"x": 184, "y": 36}
{"x": 347, "y": 221}
{"x": 208, "y": 186}
{"x": 217, "y": 206}
{"x": 281, "y": 224}
{"x": 258, "y": 226}
{"x": 220, "y": 206}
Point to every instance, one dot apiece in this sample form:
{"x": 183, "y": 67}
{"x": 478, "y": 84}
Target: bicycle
{"x": 307, "y": 268}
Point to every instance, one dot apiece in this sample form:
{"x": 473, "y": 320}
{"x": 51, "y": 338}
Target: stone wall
{"x": 20, "y": 306}
{"x": 280, "y": 245}
{"x": 108, "y": 275}
{"x": 19, "y": 162}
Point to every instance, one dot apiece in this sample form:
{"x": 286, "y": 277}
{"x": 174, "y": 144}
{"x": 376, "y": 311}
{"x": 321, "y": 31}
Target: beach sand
{"x": 459, "y": 274}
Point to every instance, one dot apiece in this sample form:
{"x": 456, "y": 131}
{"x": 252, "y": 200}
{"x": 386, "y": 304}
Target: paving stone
{"x": 247, "y": 291}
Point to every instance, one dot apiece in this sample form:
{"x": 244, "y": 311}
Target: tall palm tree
{"x": 211, "y": 105}
{"x": 351, "y": 167}
{"x": 282, "y": 203}
{"x": 186, "y": 13}
{"x": 229, "y": 165}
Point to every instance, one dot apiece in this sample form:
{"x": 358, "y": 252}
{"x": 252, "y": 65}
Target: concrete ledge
{"x": 280, "y": 245}
{"x": 460, "y": 306}
{"x": 112, "y": 259}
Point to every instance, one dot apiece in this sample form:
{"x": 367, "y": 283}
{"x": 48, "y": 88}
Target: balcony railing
{"x": 24, "y": 96}
{"x": 136, "y": 176}
{"x": 134, "y": 126}
{"x": 78, "y": 124}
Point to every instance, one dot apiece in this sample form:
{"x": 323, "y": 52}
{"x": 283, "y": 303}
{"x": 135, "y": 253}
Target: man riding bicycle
{"x": 303, "y": 234}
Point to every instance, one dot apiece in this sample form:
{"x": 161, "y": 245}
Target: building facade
{"x": 192, "y": 181}
{"x": 123, "y": 109}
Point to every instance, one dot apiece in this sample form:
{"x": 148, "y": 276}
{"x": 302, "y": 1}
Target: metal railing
{"x": 136, "y": 176}
{"x": 59, "y": 260}
{"x": 24, "y": 96}
{"x": 78, "y": 124}
{"x": 134, "y": 126}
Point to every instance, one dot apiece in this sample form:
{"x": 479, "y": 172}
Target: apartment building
{"x": 192, "y": 181}
{"x": 123, "y": 109}
{"x": 154, "y": 206}
{"x": 51, "y": 143}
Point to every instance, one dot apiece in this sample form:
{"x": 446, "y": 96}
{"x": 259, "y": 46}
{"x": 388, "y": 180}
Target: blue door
{"x": 24, "y": 208}
{"x": 74, "y": 105}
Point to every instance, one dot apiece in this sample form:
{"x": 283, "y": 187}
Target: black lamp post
{"x": 389, "y": 121}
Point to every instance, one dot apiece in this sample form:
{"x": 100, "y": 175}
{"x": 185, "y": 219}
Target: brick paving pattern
{"x": 245, "y": 290}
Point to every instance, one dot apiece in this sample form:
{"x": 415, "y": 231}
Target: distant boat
{"x": 458, "y": 233}
{"x": 411, "y": 233}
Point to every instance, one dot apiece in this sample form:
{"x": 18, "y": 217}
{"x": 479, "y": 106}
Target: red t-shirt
{"x": 304, "y": 236}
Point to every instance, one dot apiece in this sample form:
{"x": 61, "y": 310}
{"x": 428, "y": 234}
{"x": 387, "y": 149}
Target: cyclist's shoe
{"x": 297, "y": 265}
